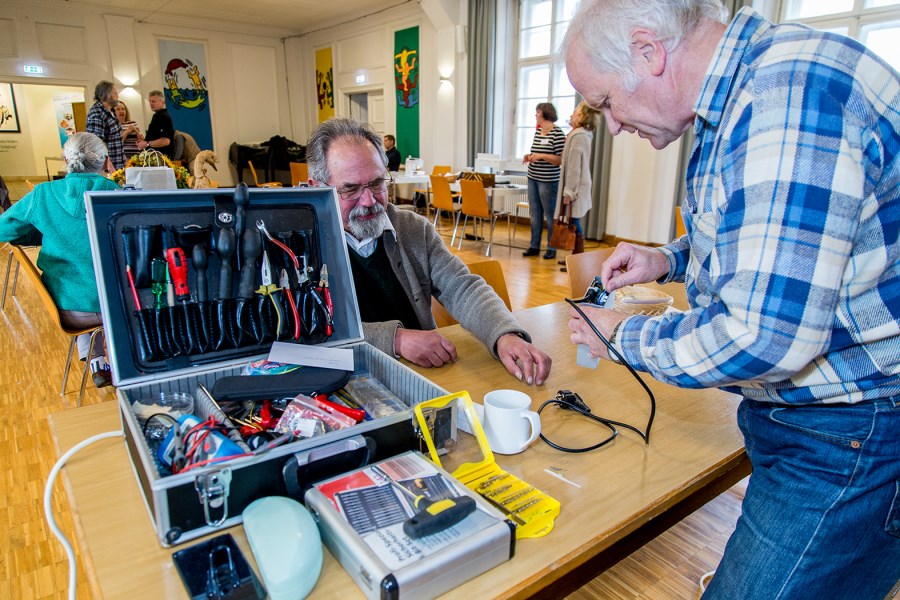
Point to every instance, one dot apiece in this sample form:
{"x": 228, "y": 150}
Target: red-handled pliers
{"x": 286, "y": 286}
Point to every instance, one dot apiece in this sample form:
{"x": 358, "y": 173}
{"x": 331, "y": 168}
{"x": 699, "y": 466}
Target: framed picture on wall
{"x": 9, "y": 116}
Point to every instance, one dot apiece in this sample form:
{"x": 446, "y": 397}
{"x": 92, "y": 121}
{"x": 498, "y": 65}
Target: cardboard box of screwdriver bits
{"x": 195, "y": 286}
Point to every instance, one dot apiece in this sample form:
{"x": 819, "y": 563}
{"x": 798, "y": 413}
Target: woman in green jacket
{"x": 53, "y": 217}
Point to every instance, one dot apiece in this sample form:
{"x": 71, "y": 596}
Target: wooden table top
{"x": 694, "y": 444}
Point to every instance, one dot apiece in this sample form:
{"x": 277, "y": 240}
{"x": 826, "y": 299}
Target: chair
{"x": 444, "y": 199}
{"x": 436, "y": 170}
{"x": 475, "y": 204}
{"x": 32, "y": 272}
{"x": 492, "y": 274}
{"x": 299, "y": 173}
{"x": 583, "y": 267}
{"x": 680, "y": 229}
{"x": 515, "y": 223}
{"x": 271, "y": 184}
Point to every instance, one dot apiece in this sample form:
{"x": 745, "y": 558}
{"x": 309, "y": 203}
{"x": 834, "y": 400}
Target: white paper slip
{"x": 312, "y": 356}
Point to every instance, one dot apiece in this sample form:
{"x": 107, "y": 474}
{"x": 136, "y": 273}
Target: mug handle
{"x": 535, "y": 420}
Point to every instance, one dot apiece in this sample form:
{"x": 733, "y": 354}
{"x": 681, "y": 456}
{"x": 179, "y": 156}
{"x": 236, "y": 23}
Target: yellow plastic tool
{"x": 530, "y": 509}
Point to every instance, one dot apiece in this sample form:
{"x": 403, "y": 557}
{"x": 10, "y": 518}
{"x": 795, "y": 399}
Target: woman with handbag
{"x": 575, "y": 196}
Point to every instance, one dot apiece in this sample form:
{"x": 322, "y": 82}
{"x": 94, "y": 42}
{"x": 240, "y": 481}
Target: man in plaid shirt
{"x": 791, "y": 263}
{"x": 103, "y": 123}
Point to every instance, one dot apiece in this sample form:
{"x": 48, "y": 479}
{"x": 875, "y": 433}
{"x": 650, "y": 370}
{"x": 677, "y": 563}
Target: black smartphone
{"x": 216, "y": 569}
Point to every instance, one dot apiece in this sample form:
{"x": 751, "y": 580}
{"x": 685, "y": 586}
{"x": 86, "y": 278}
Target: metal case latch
{"x": 213, "y": 488}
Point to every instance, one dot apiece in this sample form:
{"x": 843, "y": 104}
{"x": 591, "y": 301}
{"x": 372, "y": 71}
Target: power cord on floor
{"x": 48, "y": 497}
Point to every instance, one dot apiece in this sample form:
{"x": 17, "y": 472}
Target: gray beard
{"x": 369, "y": 228}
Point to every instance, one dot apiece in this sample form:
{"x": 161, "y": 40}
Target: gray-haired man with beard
{"x": 399, "y": 262}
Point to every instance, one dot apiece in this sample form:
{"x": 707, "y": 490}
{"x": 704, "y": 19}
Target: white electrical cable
{"x": 704, "y": 580}
{"x": 48, "y": 497}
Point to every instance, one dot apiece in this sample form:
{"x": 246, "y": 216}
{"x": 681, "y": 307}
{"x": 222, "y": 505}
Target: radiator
{"x": 509, "y": 200}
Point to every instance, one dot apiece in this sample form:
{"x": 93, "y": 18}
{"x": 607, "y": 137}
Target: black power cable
{"x": 568, "y": 400}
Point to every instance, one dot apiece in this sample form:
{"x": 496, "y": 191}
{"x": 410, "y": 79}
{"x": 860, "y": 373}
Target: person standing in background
{"x": 160, "y": 132}
{"x": 131, "y": 132}
{"x": 101, "y": 122}
{"x": 575, "y": 180}
{"x": 543, "y": 177}
{"x": 393, "y": 155}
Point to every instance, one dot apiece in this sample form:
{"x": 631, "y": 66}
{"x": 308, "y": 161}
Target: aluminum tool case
{"x": 194, "y": 503}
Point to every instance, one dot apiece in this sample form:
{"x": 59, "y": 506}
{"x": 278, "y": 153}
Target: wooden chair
{"x": 444, "y": 199}
{"x": 34, "y": 274}
{"x": 437, "y": 170}
{"x": 475, "y": 204}
{"x": 271, "y": 184}
{"x": 583, "y": 267}
{"x": 492, "y": 274}
{"x": 299, "y": 173}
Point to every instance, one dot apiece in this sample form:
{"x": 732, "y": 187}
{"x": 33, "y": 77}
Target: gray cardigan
{"x": 425, "y": 268}
{"x": 575, "y": 180}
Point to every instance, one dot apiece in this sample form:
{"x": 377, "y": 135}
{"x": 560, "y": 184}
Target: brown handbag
{"x": 563, "y": 237}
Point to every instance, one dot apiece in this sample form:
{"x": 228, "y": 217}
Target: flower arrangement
{"x": 153, "y": 158}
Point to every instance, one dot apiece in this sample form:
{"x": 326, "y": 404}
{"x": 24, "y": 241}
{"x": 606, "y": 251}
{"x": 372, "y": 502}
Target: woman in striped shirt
{"x": 543, "y": 176}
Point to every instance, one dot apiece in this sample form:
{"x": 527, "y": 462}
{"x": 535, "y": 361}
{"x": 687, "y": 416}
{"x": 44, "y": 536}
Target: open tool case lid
{"x": 312, "y": 212}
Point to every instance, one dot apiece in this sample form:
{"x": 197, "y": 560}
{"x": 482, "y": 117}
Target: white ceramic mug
{"x": 509, "y": 422}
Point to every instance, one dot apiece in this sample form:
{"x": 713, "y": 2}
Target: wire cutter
{"x": 286, "y": 286}
{"x": 326, "y": 293}
{"x": 268, "y": 288}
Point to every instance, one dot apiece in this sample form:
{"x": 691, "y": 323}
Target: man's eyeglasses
{"x": 377, "y": 187}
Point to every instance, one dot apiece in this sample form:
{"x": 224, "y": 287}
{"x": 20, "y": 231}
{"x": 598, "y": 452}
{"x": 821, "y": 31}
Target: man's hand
{"x": 522, "y": 359}
{"x": 630, "y": 264}
{"x": 424, "y": 348}
{"x": 603, "y": 319}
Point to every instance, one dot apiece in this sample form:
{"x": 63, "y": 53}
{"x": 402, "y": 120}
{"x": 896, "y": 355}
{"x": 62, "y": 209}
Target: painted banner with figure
{"x": 406, "y": 87}
{"x": 185, "y": 87}
{"x": 324, "y": 84}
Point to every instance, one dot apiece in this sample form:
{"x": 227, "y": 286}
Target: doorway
{"x": 46, "y": 119}
{"x": 368, "y": 107}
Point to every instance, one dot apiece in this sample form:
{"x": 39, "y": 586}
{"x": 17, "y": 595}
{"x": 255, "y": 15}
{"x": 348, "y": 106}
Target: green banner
{"x": 406, "y": 85}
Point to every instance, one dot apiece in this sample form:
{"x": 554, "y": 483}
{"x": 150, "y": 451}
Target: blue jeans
{"x": 576, "y": 221}
{"x": 821, "y": 517}
{"x": 542, "y": 206}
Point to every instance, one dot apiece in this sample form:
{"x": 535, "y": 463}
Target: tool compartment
{"x": 157, "y": 343}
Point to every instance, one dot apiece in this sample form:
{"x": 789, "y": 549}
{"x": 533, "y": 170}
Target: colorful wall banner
{"x": 406, "y": 86}
{"x": 324, "y": 84}
{"x": 185, "y": 87}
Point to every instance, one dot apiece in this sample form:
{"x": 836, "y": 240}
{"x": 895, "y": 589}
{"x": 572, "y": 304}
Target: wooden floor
{"x": 33, "y": 564}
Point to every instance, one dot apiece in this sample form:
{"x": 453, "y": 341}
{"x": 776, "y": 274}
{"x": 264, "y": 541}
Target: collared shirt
{"x": 366, "y": 247}
{"x": 102, "y": 123}
{"x": 792, "y": 213}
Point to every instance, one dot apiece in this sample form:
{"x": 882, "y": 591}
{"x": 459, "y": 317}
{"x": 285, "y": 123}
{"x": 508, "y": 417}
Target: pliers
{"x": 326, "y": 294}
{"x": 286, "y": 286}
{"x": 268, "y": 288}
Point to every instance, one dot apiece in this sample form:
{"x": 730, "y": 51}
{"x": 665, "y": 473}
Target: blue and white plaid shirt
{"x": 791, "y": 259}
{"x": 102, "y": 123}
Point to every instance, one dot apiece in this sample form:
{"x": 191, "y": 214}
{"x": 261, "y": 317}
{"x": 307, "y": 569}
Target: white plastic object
{"x": 286, "y": 545}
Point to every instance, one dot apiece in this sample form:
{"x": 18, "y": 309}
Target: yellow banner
{"x": 324, "y": 84}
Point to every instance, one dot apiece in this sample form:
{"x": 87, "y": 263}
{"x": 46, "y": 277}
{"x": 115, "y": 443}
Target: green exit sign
{"x": 33, "y": 69}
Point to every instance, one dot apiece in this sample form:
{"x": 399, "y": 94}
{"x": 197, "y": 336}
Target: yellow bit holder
{"x": 530, "y": 509}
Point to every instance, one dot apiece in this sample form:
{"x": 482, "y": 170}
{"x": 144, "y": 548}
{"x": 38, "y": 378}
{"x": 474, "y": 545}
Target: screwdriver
{"x": 433, "y": 517}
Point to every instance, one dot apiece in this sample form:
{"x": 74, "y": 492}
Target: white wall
{"x": 365, "y": 48}
{"x": 83, "y": 45}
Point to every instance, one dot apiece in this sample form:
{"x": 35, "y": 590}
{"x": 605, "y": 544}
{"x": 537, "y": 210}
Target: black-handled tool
{"x": 251, "y": 246}
{"x": 225, "y": 248}
{"x": 201, "y": 263}
{"x": 241, "y": 202}
{"x": 433, "y": 516}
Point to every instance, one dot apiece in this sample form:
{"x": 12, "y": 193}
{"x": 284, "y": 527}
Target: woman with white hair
{"x": 53, "y": 217}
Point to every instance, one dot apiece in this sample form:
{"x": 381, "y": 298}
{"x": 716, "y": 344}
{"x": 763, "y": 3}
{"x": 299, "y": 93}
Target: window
{"x": 542, "y": 25}
{"x": 875, "y": 23}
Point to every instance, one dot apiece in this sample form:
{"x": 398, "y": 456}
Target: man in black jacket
{"x": 160, "y": 132}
